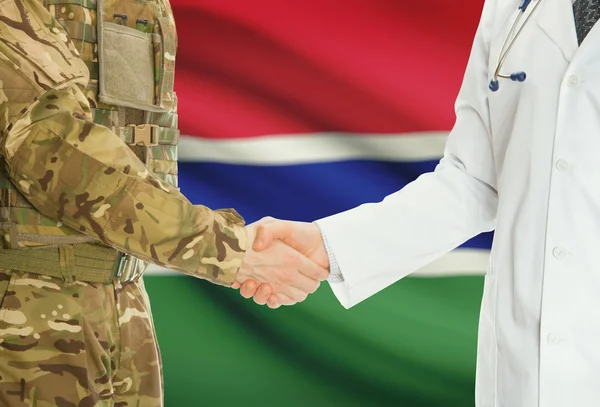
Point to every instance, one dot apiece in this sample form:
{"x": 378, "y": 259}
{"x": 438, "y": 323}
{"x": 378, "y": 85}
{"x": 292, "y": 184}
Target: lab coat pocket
{"x": 485, "y": 383}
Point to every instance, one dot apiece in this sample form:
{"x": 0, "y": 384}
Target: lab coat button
{"x": 572, "y": 81}
{"x": 562, "y": 165}
{"x": 559, "y": 253}
{"x": 553, "y": 339}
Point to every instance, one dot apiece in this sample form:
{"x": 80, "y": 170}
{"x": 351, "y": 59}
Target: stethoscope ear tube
{"x": 524, "y": 4}
{"x": 494, "y": 85}
{"x": 519, "y": 76}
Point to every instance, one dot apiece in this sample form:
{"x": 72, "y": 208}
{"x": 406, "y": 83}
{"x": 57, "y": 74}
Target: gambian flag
{"x": 299, "y": 109}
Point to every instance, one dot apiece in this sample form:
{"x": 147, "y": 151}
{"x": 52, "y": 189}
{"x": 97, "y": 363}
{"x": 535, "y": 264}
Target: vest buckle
{"x": 127, "y": 268}
{"x": 144, "y": 134}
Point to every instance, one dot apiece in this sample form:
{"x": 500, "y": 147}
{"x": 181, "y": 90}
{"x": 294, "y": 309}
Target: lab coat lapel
{"x": 555, "y": 18}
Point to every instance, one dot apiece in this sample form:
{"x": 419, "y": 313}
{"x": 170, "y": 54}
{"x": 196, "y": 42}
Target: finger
{"x": 305, "y": 284}
{"x": 248, "y": 288}
{"x": 236, "y": 285}
{"x": 273, "y": 302}
{"x": 284, "y": 300}
{"x": 294, "y": 294}
{"x": 311, "y": 269}
{"x": 262, "y": 294}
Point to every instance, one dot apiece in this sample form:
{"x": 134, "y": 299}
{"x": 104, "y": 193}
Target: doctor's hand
{"x": 304, "y": 237}
{"x": 288, "y": 274}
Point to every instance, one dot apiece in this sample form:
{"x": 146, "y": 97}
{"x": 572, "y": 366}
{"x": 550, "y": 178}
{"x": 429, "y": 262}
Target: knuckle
{"x": 314, "y": 272}
{"x": 286, "y": 275}
{"x": 291, "y": 258}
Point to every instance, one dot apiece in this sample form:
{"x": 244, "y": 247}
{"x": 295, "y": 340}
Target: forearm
{"x": 377, "y": 244}
{"x": 84, "y": 176}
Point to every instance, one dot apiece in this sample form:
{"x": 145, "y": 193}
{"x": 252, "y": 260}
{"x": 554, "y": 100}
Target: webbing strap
{"x": 84, "y": 262}
{"x": 168, "y": 178}
{"x": 79, "y": 30}
{"x": 163, "y": 119}
{"x": 91, "y": 4}
{"x": 163, "y": 166}
{"x": 93, "y": 68}
{"x": 67, "y": 263}
{"x": 11, "y": 198}
{"x": 163, "y": 135}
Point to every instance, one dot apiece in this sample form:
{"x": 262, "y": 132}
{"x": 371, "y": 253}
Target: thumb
{"x": 263, "y": 239}
{"x": 265, "y": 234}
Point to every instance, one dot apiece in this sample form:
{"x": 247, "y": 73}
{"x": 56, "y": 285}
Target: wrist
{"x": 247, "y": 234}
{"x": 323, "y": 247}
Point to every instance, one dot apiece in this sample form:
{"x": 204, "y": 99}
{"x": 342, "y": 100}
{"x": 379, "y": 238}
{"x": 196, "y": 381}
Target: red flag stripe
{"x": 261, "y": 67}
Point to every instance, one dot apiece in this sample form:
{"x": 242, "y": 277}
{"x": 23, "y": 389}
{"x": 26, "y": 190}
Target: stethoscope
{"x": 506, "y": 46}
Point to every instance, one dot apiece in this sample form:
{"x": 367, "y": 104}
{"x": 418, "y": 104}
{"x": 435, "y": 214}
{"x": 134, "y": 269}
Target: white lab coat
{"x": 524, "y": 161}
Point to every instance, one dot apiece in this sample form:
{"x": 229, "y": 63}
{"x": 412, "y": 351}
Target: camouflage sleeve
{"x": 85, "y": 176}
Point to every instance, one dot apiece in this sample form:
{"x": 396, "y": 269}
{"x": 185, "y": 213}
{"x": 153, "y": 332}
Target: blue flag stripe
{"x": 300, "y": 192}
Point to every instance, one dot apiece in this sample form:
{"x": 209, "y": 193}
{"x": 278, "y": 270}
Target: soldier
{"x": 88, "y": 197}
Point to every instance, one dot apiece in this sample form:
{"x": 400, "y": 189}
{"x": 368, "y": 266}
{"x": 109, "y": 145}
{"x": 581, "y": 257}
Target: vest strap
{"x": 147, "y": 135}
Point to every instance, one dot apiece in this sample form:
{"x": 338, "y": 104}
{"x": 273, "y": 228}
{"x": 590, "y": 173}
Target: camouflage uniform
{"x": 88, "y": 125}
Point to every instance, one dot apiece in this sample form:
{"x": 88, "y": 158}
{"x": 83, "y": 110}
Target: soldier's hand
{"x": 287, "y": 274}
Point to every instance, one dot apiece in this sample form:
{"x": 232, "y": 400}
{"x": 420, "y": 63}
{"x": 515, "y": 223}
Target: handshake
{"x": 284, "y": 262}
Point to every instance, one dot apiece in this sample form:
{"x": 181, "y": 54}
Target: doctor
{"x": 524, "y": 159}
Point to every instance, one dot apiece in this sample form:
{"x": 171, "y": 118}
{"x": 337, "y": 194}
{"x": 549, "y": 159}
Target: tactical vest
{"x": 129, "y": 48}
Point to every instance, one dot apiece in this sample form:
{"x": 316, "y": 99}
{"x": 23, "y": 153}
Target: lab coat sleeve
{"x": 377, "y": 244}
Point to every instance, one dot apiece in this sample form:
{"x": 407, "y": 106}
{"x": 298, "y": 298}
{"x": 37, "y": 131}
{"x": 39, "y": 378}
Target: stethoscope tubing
{"x": 507, "y": 44}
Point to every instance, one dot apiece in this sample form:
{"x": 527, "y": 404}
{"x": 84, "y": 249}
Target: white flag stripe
{"x": 459, "y": 262}
{"x": 315, "y": 148}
